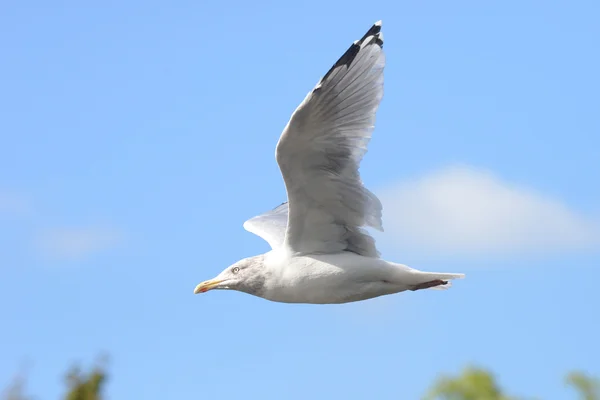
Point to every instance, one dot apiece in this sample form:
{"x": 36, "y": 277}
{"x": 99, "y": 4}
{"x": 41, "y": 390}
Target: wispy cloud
{"x": 14, "y": 204}
{"x": 23, "y": 222}
{"x": 77, "y": 243}
{"x": 463, "y": 210}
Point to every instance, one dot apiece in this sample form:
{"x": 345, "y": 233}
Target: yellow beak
{"x": 206, "y": 286}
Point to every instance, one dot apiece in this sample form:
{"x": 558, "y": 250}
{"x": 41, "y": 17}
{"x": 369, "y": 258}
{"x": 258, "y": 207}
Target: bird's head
{"x": 246, "y": 275}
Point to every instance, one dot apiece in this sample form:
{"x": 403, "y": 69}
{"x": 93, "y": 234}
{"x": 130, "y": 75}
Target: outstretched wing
{"x": 270, "y": 226}
{"x": 320, "y": 150}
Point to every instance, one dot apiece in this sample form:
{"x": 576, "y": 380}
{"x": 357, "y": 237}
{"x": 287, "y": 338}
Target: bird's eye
{"x": 236, "y": 270}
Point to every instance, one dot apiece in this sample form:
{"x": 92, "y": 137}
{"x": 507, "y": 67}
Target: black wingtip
{"x": 375, "y": 30}
{"x": 353, "y": 50}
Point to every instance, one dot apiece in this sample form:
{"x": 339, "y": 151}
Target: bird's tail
{"x": 414, "y": 277}
{"x": 432, "y": 276}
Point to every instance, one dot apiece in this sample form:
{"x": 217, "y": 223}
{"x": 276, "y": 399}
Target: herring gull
{"x": 320, "y": 251}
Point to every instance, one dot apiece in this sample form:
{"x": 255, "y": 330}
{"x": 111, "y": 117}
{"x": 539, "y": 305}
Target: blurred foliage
{"x": 480, "y": 384}
{"x": 86, "y": 386}
{"x": 587, "y": 387}
{"x": 81, "y": 385}
{"x": 16, "y": 390}
{"x": 472, "y": 384}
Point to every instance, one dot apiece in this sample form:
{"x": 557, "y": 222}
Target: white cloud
{"x": 462, "y": 210}
{"x": 76, "y": 243}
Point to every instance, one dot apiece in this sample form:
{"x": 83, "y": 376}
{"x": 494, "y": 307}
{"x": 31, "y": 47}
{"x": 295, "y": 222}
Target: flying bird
{"x": 320, "y": 251}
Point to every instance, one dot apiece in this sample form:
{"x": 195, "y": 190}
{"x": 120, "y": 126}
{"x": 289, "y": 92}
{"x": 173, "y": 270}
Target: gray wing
{"x": 270, "y": 226}
{"x": 320, "y": 150}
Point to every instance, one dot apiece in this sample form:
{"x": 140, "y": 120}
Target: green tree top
{"x": 480, "y": 384}
{"x": 588, "y": 388}
{"x": 473, "y": 384}
{"x": 86, "y": 386}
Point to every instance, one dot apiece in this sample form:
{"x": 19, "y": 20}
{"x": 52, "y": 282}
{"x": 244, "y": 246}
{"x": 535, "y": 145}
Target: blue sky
{"x": 136, "y": 137}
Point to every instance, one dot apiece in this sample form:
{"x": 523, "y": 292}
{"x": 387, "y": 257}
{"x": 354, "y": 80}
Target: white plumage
{"x": 320, "y": 250}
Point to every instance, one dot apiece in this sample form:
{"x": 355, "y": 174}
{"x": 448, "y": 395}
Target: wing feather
{"x": 320, "y": 150}
{"x": 270, "y": 226}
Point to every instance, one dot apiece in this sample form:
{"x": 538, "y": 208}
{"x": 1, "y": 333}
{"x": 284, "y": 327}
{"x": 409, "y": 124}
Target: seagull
{"x": 320, "y": 251}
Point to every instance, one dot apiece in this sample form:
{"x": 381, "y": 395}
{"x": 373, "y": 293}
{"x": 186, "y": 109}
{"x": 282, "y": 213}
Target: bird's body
{"x": 320, "y": 252}
{"x": 327, "y": 278}
{"x": 332, "y": 278}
